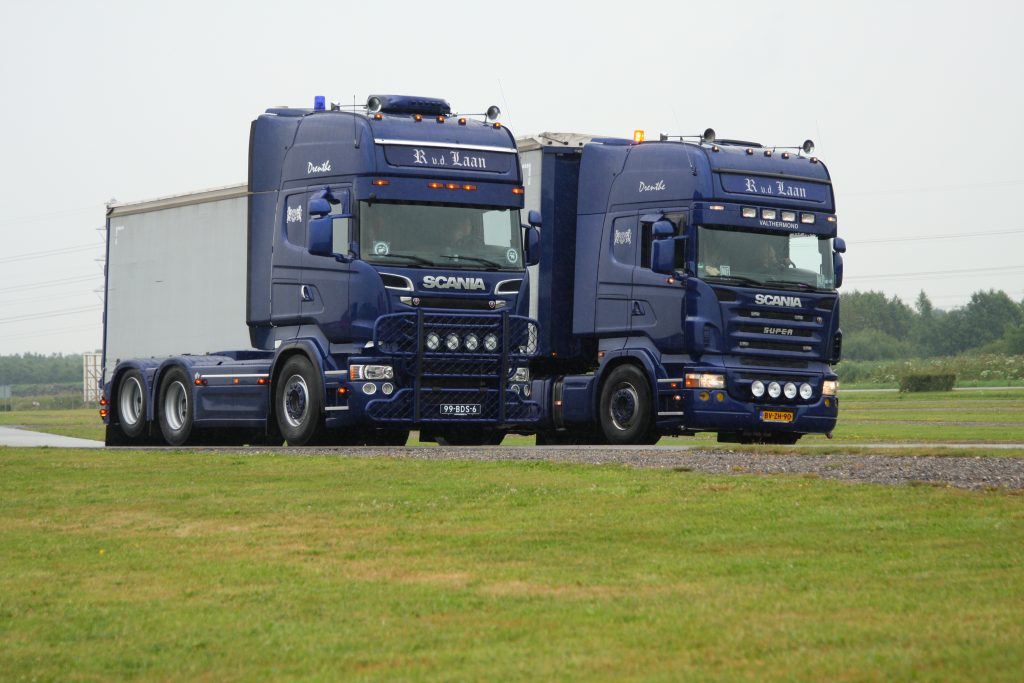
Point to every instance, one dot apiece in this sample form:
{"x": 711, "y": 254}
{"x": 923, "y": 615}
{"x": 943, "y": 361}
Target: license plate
{"x": 460, "y": 409}
{"x": 776, "y": 416}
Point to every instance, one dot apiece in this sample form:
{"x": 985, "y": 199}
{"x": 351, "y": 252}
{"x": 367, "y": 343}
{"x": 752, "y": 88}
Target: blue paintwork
{"x": 601, "y": 306}
{"x": 301, "y": 299}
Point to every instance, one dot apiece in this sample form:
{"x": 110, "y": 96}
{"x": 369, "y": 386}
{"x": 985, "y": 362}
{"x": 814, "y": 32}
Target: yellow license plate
{"x": 776, "y": 416}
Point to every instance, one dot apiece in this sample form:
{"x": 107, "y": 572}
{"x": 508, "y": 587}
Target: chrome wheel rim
{"x": 295, "y": 402}
{"x": 131, "y": 401}
{"x": 176, "y": 406}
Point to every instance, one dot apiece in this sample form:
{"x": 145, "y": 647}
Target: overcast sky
{"x": 916, "y": 108}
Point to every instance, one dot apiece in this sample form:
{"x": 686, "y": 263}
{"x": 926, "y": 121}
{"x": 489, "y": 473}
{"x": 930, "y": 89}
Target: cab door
{"x": 326, "y": 280}
{"x": 614, "y": 276}
{"x": 286, "y": 261}
{"x": 657, "y": 306}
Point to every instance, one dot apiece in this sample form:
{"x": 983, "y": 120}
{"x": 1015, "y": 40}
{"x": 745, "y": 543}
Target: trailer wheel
{"x": 298, "y": 402}
{"x": 131, "y": 405}
{"x": 625, "y": 408}
{"x": 175, "y": 407}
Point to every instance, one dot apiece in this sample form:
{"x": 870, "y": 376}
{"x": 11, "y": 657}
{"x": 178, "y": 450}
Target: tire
{"x": 624, "y": 413}
{"x": 298, "y": 402}
{"x": 132, "y": 405}
{"x": 174, "y": 409}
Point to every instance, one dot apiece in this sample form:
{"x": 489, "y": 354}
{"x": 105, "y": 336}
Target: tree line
{"x": 876, "y": 327}
{"x": 36, "y": 368}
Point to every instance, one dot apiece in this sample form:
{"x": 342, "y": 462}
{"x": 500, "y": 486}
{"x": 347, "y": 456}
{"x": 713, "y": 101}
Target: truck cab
{"x": 702, "y": 289}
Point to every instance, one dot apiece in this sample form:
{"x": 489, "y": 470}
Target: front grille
{"x": 469, "y": 375}
{"x": 768, "y": 362}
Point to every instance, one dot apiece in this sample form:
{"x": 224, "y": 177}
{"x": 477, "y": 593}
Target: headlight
{"x": 829, "y": 387}
{"x": 451, "y": 342}
{"x": 757, "y": 388}
{"x": 491, "y": 342}
{"x": 705, "y": 381}
{"x": 433, "y": 341}
{"x": 806, "y": 391}
{"x": 471, "y": 342}
{"x": 774, "y": 389}
{"x": 521, "y": 375}
{"x": 365, "y": 372}
{"x": 789, "y": 390}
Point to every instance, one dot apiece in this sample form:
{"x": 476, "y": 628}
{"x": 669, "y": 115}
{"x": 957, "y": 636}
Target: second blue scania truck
{"x": 683, "y": 286}
{"x": 368, "y": 279}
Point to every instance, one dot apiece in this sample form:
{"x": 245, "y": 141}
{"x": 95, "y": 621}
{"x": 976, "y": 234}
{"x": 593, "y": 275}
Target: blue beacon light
{"x": 319, "y": 103}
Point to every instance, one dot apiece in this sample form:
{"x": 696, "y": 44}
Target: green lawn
{"x": 223, "y": 567}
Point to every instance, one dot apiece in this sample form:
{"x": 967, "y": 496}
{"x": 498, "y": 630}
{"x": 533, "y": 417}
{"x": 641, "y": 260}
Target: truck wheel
{"x": 175, "y": 407}
{"x": 131, "y": 405}
{"x": 298, "y": 402}
{"x": 625, "y": 408}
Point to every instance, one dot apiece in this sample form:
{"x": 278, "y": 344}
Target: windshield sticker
{"x": 381, "y": 248}
{"x": 623, "y": 237}
{"x": 512, "y": 256}
{"x": 294, "y": 215}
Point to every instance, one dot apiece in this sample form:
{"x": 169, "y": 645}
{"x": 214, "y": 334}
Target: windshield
{"x": 788, "y": 260}
{"x": 457, "y": 237}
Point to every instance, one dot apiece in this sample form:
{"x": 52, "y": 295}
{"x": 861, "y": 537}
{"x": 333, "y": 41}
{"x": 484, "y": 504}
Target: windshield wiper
{"x": 736, "y": 278}
{"x": 411, "y": 257}
{"x": 799, "y": 285}
{"x": 477, "y": 259}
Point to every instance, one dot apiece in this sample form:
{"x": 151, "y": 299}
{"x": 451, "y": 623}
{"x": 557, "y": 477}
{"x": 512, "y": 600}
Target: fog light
{"x": 769, "y": 214}
{"x": 749, "y": 212}
{"x": 703, "y": 395}
{"x": 806, "y": 391}
{"x": 451, "y": 342}
{"x": 719, "y": 396}
{"x": 757, "y": 388}
{"x": 516, "y": 389}
{"x": 807, "y": 218}
{"x": 472, "y": 342}
{"x": 789, "y": 390}
{"x": 387, "y": 388}
{"x": 774, "y": 389}
{"x": 490, "y": 342}
{"x": 369, "y": 389}
{"x": 789, "y": 216}
{"x": 433, "y": 341}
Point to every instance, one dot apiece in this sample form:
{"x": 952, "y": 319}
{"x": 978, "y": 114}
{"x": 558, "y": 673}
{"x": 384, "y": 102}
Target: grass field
{"x": 228, "y": 567}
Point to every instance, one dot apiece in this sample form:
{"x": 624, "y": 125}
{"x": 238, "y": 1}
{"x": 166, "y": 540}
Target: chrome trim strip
{"x": 424, "y": 143}
{"x": 670, "y": 380}
{"x": 679, "y": 414}
{"x": 335, "y": 408}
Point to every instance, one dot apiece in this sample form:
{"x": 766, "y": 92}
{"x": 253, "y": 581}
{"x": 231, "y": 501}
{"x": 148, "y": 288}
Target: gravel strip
{"x": 967, "y": 473}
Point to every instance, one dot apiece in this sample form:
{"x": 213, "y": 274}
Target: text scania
{"x": 778, "y": 300}
{"x": 445, "y": 282}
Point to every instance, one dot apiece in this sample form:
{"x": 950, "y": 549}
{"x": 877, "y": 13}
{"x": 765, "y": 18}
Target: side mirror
{"x": 321, "y": 232}
{"x": 837, "y": 268}
{"x": 532, "y": 245}
{"x": 663, "y": 255}
{"x": 317, "y": 207}
{"x": 533, "y": 218}
{"x": 662, "y": 229}
{"x": 839, "y": 245}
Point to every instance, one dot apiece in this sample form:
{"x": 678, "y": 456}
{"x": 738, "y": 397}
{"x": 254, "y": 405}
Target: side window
{"x": 678, "y": 221}
{"x": 624, "y": 239}
{"x": 295, "y": 220}
{"x": 342, "y": 228}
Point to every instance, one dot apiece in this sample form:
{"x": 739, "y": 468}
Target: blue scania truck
{"x": 683, "y": 286}
{"x": 370, "y": 278}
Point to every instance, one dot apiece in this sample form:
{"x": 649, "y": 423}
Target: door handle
{"x": 306, "y": 292}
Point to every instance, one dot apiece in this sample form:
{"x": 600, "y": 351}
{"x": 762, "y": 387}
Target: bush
{"x": 932, "y": 381}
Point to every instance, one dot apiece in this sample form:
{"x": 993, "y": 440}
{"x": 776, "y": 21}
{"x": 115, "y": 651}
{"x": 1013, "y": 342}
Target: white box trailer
{"x": 176, "y": 276}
